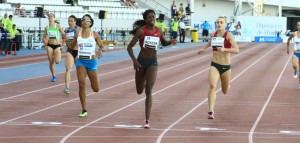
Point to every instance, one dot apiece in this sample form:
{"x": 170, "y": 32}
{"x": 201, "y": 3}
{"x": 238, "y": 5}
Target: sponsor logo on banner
{"x": 267, "y": 39}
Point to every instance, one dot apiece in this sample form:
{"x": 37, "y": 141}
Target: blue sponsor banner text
{"x": 267, "y": 39}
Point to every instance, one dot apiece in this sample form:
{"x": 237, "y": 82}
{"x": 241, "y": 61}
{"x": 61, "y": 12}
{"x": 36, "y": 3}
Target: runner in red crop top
{"x": 147, "y": 32}
{"x": 223, "y": 44}
{"x": 226, "y": 42}
{"x": 145, "y": 65}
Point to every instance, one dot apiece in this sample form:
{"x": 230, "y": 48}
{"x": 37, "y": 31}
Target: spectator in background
{"x": 205, "y": 26}
{"x": 238, "y": 28}
{"x": 9, "y": 23}
{"x": 19, "y": 10}
{"x": 3, "y": 1}
{"x": 188, "y": 13}
{"x": 159, "y": 23}
{"x": 135, "y": 4}
{"x": 4, "y": 32}
{"x": 180, "y": 13}
{"x": 231, "y": 26}
{"x": 4, "y": 20}
{"x": 123, "y": 2}
{"x": 13, "y": 32}
{"x": 174, "y": 27}
{"x": 181, "y": 31}
{"x": 173, "y": 10}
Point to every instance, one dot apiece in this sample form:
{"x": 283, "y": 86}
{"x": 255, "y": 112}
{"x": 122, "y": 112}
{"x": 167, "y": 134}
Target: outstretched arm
{"x": 288, "y": 43}
{"x": 99, "y": 43}
{"x": 166, "y": 43}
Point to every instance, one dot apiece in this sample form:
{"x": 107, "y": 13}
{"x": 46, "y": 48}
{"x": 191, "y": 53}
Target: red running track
{"x": 261, "y": 107}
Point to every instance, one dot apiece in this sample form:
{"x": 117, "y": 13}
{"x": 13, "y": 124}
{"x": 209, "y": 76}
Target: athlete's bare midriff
{"x": 222, "y": 58}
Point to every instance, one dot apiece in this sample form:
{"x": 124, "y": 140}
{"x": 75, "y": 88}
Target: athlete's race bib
{"x": 52, "y": 34}
{"x": 151, "y": 42}
{"x": 70, "y": 35}
{"x": 86, "y": 50}
{"x": 217, "y": 42}
{"x": 297, "y": 44}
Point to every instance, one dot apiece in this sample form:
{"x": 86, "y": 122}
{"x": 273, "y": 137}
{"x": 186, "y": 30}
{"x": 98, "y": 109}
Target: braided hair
{"x": 140, "y": 23}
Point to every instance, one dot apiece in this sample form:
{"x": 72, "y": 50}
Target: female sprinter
{"x": 86, "y": 62}
{"x": 295, "y": 59}
{"x": 52, "y": 41}
{"x": 71, "y": 53}
{"x": 145, "y": 65}
{"x": 222, "y": 45}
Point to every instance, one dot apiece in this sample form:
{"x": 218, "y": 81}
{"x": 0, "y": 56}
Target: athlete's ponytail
{"x": 140, "y": 23}
{"x": 136, "y": 25}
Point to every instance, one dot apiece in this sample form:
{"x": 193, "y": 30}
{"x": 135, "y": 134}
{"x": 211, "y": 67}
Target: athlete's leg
{"x": 93, "y": 76}
{"x": 51, "y": 60}
{"x": 151, "y": 75}
{"x": 57, "y": 55}
{"x": 139, "y": 81}
{"x": 298, "y": 72}
{"x": 225, "y": 81}
{"x": 213, "y": 80}
{"x": 69, "y": 62}
{"x": 295, "y": 62}
{"x": 81, "y": 75}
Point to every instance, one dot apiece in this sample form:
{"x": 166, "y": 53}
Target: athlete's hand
{"x": 99, "y": 54}
{"x": 201, "y": 51}
{"x": 45, "y": 41}
{"x": 137, "y": 66}
{"x": 221, "y": 49}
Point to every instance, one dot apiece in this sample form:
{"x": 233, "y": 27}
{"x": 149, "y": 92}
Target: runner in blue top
{"x": 71, "y": 53}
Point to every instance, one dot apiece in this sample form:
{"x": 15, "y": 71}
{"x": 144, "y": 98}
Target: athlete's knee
{"x": 81, "y": 84}
{"x": 212, "y": 87}
{"x": 149, "y": 88}
{"x": 226, "y": 89}
{"x": 139, "y": 91}
{"x": 96, "y": 89}
{"x": 68, "y": 69}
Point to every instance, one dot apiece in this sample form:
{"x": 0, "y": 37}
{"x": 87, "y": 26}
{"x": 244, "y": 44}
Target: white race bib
{"x": 52, "y": 34}
{"x": 217, "y": 42}
{"x": 151, "y": 42}
{"x": 70, "y": 35}
{"x": 86, "y": 50}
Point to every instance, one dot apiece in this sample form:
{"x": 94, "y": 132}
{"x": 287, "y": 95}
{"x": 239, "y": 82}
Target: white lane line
{"x": 116, "y": 85}
{"x": 200, "y": 104}
{"x": 250, "y": 137}
{"x": 134, "y": 127}
{"x": 27, "y": 59}
{"x": 86, "y": 78}
{"x": 102, "y": 65}
{"x": 78, "y": 129}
